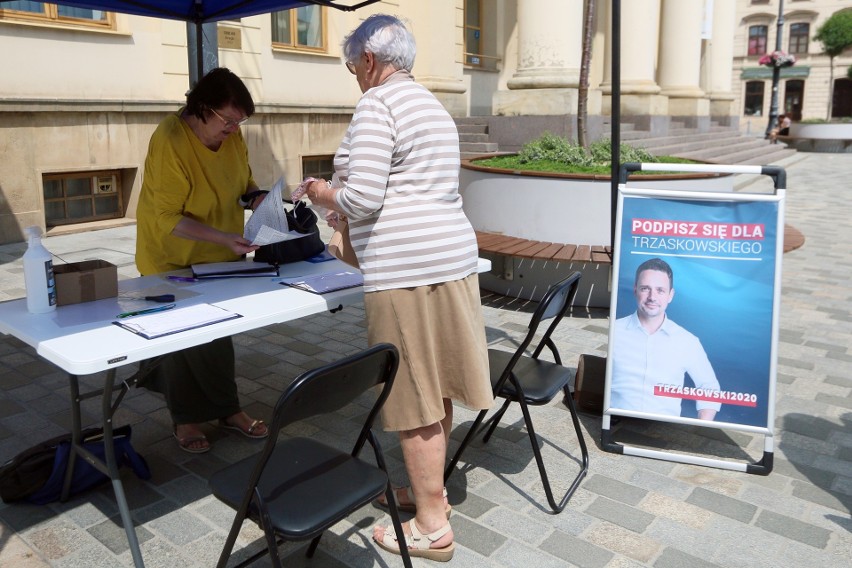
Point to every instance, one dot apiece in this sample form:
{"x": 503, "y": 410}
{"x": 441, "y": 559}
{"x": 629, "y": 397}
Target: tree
{"x": 835, "y": 34}
{"x": 585, "y": 64}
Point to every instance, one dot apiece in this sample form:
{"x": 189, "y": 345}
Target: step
{"x": 472, "y": 128}
{"x": 478, "y": 147}
{"x": 685, "y": 150}
{"x": 473, "y": 137}
{"x": 710, "y": 137}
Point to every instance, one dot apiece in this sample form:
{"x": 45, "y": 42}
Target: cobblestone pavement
{"x": 629, "y": 512}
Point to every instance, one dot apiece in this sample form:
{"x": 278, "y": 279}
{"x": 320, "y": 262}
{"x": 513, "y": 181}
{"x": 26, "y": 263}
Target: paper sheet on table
{"x": 174, "y": 321}
{"x": 268, "y": 223}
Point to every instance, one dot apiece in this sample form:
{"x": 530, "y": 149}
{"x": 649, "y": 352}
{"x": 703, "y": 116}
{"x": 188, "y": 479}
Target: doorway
{"x": 842, "y": 100}
{"x": 794, "y": 93}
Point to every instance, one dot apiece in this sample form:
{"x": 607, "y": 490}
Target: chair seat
{"x": 540, "y": 380}
{"x": 337, "y": 484}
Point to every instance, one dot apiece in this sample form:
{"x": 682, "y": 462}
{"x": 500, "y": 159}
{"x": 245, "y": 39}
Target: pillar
{"x": 548, "y": 64}
{"x": 679, "y": 71}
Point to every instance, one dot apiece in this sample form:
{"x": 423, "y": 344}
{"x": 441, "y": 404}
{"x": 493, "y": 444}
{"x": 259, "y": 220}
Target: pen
{"x": 146, "y": 311}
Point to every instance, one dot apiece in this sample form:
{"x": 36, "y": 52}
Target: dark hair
{"x": 656, "y": 264}
{"x": 219, "y": 88}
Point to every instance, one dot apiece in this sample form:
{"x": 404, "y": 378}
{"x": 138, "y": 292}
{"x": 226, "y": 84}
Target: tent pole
{"x": 615, "y": 117}
{"x": 203, "y": 49}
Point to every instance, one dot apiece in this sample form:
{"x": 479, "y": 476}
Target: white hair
{"x": 386, "y": 37}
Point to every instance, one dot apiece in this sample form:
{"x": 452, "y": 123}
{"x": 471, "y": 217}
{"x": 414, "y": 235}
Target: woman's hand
{"x": 321, "y": 193}
{"x": 191, "y": 229}
{"x": 238, "y": 244}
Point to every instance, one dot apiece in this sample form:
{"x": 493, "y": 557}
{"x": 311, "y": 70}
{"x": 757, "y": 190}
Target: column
{"x": 680, "y": 60}
{"x": 549, "y": 50}
{"x": 641, "y": 101}
{"x": 437, "y": 66}
{"x": 717, "y": 64}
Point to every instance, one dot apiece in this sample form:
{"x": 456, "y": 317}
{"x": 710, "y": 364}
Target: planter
{"x": 557, "y": 208}
{"x": 828, "y": 137}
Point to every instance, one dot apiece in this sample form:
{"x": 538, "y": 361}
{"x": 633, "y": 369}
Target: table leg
{"x": 110, "y": 468}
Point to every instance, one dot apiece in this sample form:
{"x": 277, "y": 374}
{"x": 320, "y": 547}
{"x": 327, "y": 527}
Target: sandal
{"x": 419, "y": 544}
{"x": 185, "y": 443}
{"x": 409, "y": 506}
{"x": 250, "y": 432}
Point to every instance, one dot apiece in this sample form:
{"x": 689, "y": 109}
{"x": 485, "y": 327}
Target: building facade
{"x": 804, "y": 88}
{"x": 83, "y": 90}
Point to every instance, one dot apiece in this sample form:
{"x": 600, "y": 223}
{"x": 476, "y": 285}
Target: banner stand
{"x": 707, "y": 355}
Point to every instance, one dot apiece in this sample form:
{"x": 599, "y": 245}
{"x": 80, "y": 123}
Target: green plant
{"x": 835, "y": 34}
{"x": 555, "y": 154}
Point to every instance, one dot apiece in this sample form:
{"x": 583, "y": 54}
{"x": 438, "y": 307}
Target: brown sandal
{"x": 419, "y": 544}
{"x": 249, "y": 433}
{"x": 185, "y": 442}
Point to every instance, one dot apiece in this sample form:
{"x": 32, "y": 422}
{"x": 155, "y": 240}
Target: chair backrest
{"x": 554, "y": 305}
{"x": 330, "y": 388}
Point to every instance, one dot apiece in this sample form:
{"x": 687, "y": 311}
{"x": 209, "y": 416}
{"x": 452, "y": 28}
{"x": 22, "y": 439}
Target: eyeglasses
{"x": 351, "y": 65}
{"x": 230, "y": 123}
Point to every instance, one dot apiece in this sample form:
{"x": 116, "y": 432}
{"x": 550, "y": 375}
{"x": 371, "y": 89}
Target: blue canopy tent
{"x": 197, "y": 13}
{"x": 202, "y": 48}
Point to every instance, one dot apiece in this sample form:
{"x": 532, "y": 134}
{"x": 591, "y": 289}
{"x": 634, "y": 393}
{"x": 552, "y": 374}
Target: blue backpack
{"x": 36, "y": 474}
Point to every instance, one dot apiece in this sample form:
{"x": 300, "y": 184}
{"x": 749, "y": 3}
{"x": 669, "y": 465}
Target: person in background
{"x": 650, "y": 351}
{"x": 784, "y": 122}
{"x": 396, "y": 181}
{"x": 196, "y": 183}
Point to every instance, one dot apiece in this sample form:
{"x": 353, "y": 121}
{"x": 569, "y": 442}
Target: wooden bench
{"x": 539, "y": 250}
{"x": 560, "y": 252}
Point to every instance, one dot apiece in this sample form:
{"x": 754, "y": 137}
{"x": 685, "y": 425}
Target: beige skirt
{"x": 440, "y": 334}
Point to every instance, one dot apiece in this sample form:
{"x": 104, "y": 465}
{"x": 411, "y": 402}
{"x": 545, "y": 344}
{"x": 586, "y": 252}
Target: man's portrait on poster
{"x": 657, "y": 363}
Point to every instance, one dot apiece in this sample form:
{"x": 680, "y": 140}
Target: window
{"x": 473, "y": 32}
{"x": 757, "y": 40}
{"x": 301, "y": 28}
{"x": 53, "y": 13}
{"x": 76, "y": 197}
{"x": 753, "y": 98}
{"x": 799, "y": 38}
{"x": 320, "y": 167}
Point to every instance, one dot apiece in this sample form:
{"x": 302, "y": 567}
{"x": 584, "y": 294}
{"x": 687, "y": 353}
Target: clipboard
{"x": 152, "y": 326}
{"x": 325, "y": 283}
{"x": 235, "y": 269}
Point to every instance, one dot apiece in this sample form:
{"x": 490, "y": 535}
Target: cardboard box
{"x": 85, "y": 281}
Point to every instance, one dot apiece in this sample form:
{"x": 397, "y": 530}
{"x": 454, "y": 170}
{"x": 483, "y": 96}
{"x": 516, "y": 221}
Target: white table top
{"x": 81, "y": 338}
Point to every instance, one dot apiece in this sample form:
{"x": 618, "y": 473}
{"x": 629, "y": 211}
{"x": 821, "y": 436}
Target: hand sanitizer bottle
{"x": 38, "y": 274}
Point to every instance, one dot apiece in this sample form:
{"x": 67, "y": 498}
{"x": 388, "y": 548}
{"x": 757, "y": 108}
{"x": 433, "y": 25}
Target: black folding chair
{"x": 531, "y": 381}
{"x": 296, "y": 488}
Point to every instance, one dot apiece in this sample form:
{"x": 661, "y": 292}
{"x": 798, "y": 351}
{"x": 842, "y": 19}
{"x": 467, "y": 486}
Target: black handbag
{"x": 300, "y": 219}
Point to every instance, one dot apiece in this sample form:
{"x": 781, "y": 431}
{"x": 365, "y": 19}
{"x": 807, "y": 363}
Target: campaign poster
{"x": 718, "y": 314}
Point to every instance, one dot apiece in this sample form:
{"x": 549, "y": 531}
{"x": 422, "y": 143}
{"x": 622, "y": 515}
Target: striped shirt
{"x": 398, "y": 169}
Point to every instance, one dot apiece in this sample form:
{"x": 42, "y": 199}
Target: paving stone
{"x": 722, "y": 504}
{"x": 620, "y": 514}
{"x": 793, "y": 528}
{"x": 615, "y": 490}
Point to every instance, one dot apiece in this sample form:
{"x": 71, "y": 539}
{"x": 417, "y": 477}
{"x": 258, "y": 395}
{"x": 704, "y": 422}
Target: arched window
{"x": 757, "y": 39}
{"x": 799, "y": 38}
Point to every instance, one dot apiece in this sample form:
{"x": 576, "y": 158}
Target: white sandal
{"x": 419, "y": 544}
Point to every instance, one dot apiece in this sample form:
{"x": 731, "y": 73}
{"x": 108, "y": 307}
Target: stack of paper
{"x": 236, "y": 269}
{"x": 168, "y": 322}
{"x": 322, "y": 283}
{"x": 268, "y": 223}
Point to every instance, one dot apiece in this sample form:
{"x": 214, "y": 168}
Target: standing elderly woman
{"x": 197, "y": 181}
{"x": 397, "y": 172}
